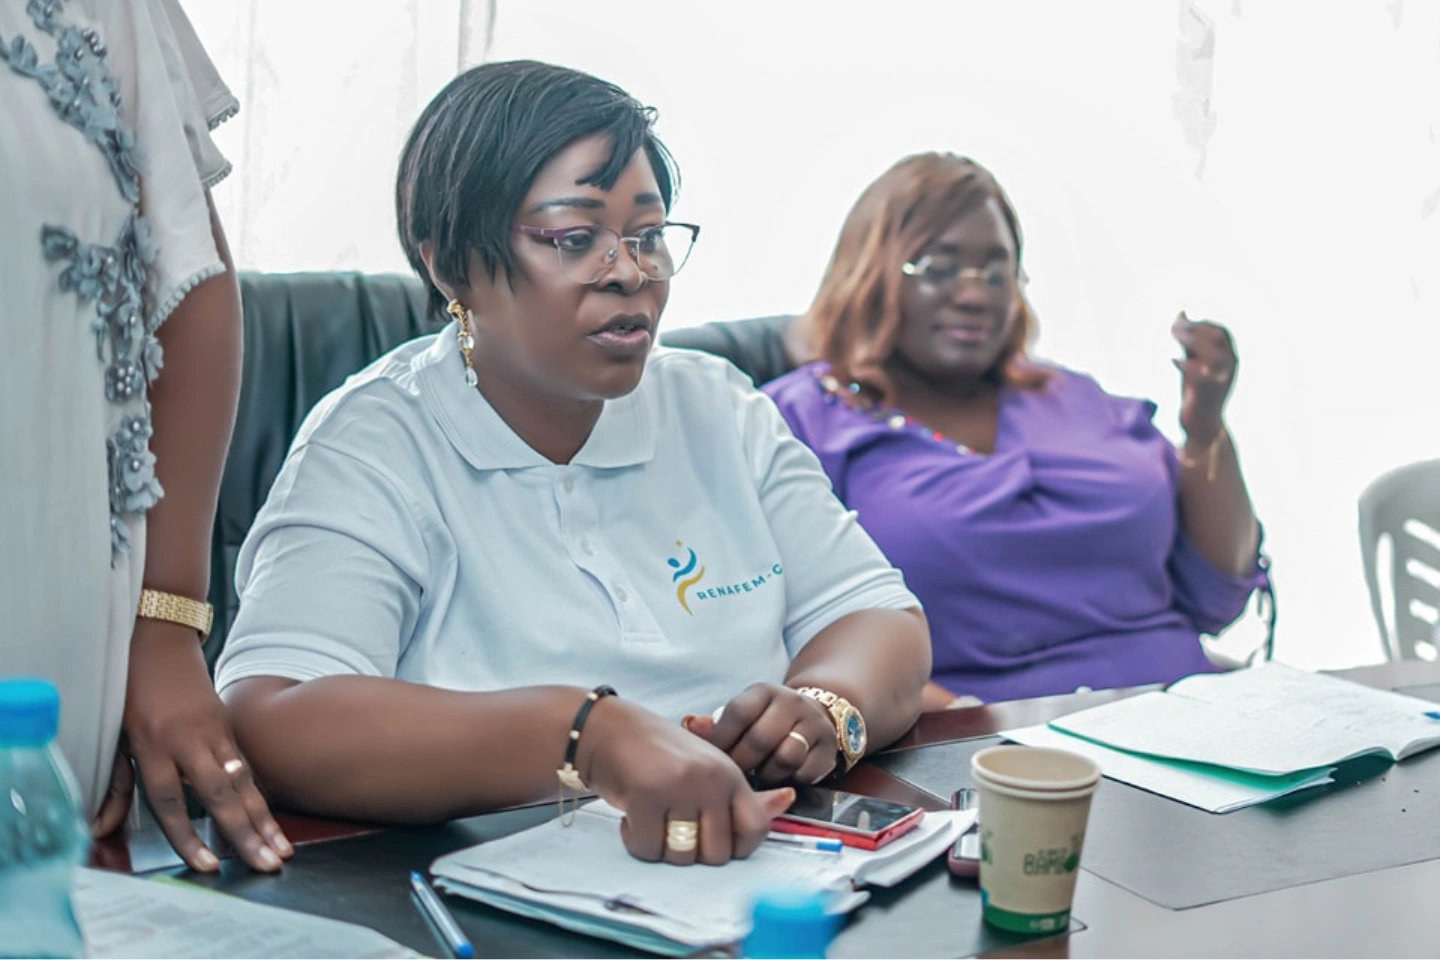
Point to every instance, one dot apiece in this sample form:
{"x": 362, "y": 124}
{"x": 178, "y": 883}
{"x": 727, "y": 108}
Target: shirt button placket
{"x": 574, "y": 517}
{"x": 587, "y": 555}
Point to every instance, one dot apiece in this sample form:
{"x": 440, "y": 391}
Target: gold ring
{"x": 232, "y": 767}
{"x": 682, "y": 836}
{"x": 800, "y": 737}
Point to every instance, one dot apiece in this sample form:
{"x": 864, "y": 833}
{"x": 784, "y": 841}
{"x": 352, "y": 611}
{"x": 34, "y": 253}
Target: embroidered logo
{"x": 685, "y": 575}
{"x": 688, "y": 573}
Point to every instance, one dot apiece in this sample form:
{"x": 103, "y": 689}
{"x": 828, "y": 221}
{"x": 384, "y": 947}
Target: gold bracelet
{"x": 1210, "y": 455}
{"x": 155, "y": 605}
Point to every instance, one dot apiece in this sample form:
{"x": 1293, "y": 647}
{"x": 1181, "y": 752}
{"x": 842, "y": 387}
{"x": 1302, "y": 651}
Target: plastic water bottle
{"x": 790, "y": 923}
{"x": 43, "y": 837}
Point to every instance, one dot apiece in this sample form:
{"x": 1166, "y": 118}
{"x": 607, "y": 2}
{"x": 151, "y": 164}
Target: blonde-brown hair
{"x": 855, "y": 318}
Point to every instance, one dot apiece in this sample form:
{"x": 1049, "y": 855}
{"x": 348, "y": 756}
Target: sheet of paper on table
{"x": 124, "y": 916}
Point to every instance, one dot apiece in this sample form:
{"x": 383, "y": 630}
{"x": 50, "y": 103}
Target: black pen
{"x": 431, "y": 906}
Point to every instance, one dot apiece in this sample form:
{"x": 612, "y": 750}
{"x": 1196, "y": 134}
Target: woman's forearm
{"x": 193, "y": 414}
{"x": 879, "y": 660}
{"x": 373, "y": 748}
{"x": 1215, "y": 507}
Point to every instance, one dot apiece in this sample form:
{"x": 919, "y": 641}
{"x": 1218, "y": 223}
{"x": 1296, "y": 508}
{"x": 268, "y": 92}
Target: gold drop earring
{"x": 464, "y": 338}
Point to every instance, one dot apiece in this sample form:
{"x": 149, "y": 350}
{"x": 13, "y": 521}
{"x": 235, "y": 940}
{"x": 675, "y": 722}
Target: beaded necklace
{"x": 896, "y": 419}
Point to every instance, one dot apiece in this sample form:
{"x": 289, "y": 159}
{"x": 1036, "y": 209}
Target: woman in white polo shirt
{"x": 476, "y": 538}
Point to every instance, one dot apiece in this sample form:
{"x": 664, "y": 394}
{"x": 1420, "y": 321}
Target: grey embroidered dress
{"x": 105, "y": 156}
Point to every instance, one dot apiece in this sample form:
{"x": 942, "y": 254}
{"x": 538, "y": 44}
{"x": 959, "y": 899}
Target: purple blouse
{"x": 1056, "y": 562}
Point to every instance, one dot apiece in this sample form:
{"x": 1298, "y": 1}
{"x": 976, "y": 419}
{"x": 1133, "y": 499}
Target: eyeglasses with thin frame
{"x": 943, "y": 269}
{"x": 587, "y": 253}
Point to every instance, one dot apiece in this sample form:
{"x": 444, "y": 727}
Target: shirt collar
{"x": 623, "y": 436}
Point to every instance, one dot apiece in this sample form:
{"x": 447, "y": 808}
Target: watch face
{"x": 853, "y": 729}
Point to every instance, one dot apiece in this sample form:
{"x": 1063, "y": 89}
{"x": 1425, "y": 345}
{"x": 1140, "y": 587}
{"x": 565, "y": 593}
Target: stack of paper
{"x": 1225, "y": 741}
{"x": 581, "y": 878}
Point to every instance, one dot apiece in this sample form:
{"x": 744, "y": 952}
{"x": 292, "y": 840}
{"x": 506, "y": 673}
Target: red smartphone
{"x": 854, "y": 820}
{"x": 964, "y": 856}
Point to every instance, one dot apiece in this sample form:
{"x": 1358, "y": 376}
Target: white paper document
{"x": 582, "y": 878}
{"x": 1271, "y": 719}
{"x": 1215, "y": 789}
{"x": 124, "y": 916}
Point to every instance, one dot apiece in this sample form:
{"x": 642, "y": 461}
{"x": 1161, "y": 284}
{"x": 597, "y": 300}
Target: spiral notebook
{"x": 581, "y": 878}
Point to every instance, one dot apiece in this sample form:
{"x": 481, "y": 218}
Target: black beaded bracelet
{"x": 568, "y": 775}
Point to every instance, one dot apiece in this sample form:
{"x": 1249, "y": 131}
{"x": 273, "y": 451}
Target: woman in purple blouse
{"x": 1055, "y": 537}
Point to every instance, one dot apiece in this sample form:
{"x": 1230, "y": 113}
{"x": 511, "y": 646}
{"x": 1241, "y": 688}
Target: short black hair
{"x": 478, "y": 146}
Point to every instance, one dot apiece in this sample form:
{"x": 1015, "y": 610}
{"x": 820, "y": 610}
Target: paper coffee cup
{"x": 1034, "y": 805}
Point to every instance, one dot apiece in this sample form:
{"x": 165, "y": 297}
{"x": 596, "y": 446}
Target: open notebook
{"x": 1272, "y": 720}
{"x": 581, "y": 878}
{"x": 1221, "y": 742}
{"x": 1210, "y": 788}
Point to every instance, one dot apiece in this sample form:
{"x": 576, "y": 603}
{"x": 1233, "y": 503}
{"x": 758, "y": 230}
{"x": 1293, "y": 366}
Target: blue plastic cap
{"x": 29, "y": 712}
{"x": 791, "y": 923}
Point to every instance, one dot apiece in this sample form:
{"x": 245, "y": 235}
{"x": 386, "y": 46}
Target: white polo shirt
{"x": 691, "y": 548}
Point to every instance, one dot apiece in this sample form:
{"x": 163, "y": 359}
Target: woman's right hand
{"x": 176, "y": 729}
{"x": 658, "y": 773}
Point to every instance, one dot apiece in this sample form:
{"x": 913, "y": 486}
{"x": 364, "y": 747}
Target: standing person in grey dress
{"x": 112, "y": 267}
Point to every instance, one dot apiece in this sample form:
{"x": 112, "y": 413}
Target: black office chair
{"x": 304, "y": 334}
{"x": 1402, "y": 510}
{"x": 755, "y": 345}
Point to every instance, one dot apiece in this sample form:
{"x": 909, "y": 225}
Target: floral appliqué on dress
{"x": 111, "y": 276}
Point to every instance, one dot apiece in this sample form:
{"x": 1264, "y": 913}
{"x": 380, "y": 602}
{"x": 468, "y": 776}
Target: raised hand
{"x": 1207, "y": 374}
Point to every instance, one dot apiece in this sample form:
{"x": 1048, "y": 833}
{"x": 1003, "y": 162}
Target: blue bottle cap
{"x": 29, "y": 712}
{"x": 790, "y": 923}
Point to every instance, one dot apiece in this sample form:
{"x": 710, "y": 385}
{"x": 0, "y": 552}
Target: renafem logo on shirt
{"x": 689, "y": 573}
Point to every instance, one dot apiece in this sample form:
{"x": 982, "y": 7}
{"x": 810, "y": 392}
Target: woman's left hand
{"x": 1207, "y": 374}
{"x": 774, "y": 732}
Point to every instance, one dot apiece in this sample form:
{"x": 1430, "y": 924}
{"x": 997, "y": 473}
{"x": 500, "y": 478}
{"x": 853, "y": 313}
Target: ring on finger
{"x": 233, "y": 766}
{"x": 682, "y": 836}
{"x": 799, "y": 737}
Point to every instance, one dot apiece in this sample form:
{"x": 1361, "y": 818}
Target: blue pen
{"x": 1433, "y": 714}
{"x": 817, "y": 844}
{"x": 431, "y": 906}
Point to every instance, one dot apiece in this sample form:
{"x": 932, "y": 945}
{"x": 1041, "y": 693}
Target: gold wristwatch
{"x": 155, "y": 605}
{"x": 850, "y": 734}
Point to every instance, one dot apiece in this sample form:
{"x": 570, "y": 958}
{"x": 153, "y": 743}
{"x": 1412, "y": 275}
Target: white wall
{"x": 1306, "y": 222}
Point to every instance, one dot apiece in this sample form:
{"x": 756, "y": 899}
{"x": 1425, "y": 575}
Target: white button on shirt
{"x": 691, "y": 548}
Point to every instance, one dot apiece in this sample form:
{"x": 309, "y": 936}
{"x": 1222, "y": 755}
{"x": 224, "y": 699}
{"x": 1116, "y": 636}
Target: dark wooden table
{"x": 1388, "y": 912}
